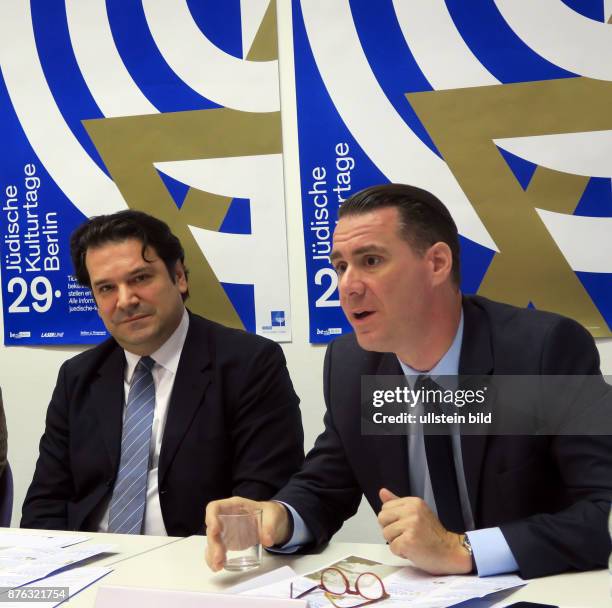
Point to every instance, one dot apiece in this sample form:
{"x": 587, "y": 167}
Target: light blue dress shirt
{"x": 491, "y": 551}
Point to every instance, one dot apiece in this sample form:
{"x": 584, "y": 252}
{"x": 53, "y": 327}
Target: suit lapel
{"x": 192, "y": 379}
{"x": 390, "y": 451}
{"x": 476, "y": 359}
{"x": 107, "y": 399}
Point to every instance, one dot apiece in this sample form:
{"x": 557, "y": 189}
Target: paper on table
{"x": 511, "y": 602}
{"x": 425, "y": 591}
{"x": 21, "y": 565}
{"x": 274, "y": 576}
{"x": 404, "y": 585}
{"x": 76, "y": 579}
{"x": 13, "y": 539}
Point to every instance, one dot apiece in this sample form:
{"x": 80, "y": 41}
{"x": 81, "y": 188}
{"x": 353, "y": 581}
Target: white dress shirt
{"x": 166, "y": 359}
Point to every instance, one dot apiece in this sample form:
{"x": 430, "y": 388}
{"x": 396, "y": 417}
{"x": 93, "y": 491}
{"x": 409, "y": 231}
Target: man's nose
{"x": 351, "y": 282}
{"x": 126, "y": 297}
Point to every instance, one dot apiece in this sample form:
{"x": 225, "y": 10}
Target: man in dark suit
{"x": 171, "y": 412}
{"x": 533, "y": 504}
{"x": 3, "y": 438}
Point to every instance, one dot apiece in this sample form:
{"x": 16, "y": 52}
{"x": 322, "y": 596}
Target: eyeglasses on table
{"x": 336, "y": 585}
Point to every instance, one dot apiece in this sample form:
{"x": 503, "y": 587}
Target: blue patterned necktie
{"x": 127, "y": 504}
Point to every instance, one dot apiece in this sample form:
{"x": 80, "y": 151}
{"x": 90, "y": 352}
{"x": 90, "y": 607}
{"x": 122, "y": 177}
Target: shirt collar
{"x": 167, "y": 355}
{"x": 448, "y": 365}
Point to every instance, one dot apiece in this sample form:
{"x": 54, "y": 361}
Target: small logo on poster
{"x": 278, "y": 321}
{"x": 20, "y": 334}
{"x": 278, "y": 318}
{"x": 331, "y": 331}
{"x": 52, "y": 334}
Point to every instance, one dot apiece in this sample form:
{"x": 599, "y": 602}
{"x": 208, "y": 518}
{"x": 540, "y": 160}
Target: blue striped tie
{"x": 129, "y": 495}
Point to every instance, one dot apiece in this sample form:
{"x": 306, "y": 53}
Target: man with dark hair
{"x": 171, "y": 412}
{"x": 423, "y": 218}
{"x": 121, "y": 226}
{"x": 450, "y": 504}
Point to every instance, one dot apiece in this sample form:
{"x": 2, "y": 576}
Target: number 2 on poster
{"x": 40, "y": 290}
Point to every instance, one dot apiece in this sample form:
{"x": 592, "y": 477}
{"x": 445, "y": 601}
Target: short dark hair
{"x": 424, "y": 219}
{"x": 118, "y": 227}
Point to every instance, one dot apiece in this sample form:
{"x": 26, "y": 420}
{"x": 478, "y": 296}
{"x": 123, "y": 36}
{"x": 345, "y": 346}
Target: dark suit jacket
{"x": 3, "y": 438}
{"x": 550, "y": 495}
{"x": 233, "y": 427}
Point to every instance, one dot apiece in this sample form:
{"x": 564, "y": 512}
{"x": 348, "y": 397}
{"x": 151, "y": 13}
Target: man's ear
{"x": 180, "y": 277}
{"x": 440, "y": 257}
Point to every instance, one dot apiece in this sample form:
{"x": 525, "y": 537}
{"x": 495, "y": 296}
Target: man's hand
{"x": 275, "y": 527}
{"x": 414, "y": 532}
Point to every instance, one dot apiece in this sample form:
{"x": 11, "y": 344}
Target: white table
{"x": 180, "y": 566}
{"x": 127, "y": 545}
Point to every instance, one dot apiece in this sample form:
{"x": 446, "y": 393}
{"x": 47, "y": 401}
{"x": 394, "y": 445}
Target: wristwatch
{"x": 467, "y": 545}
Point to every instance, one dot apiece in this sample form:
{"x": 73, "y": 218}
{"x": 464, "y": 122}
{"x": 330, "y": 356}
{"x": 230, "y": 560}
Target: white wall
{"x": 28, "y": 374}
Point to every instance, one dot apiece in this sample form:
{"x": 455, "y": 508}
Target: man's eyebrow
{"x": 140, "y": 269}
{"x": 101, "y": 282}
{"x": 130, "y": 274}
{"x": 370, "y": 249}
{"x": 359, "y": 251}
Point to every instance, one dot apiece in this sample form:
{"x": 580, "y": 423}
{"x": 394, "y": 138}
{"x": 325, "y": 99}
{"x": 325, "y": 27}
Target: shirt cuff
{"x": 491, "y": 551}
{"x": 301, "y": 534}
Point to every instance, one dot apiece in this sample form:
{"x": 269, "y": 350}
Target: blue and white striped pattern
{"x": 129, "y": 495}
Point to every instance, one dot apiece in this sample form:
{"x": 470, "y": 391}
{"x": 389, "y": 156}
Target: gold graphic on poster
{"x": 463, "y": 124}
{"x": 265, "y": 44}
{"x": 130, "y": 145}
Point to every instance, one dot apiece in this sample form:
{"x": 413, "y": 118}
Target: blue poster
{"x": 42, "y": 301}
{"x": 496, "y": 107}
{"x": 169, "y": 108}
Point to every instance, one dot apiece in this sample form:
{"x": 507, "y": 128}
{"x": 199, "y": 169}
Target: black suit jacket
{"x": 550, "y": 494}
{"x": 3, "y": 438}
{"x": 233, "y": 428}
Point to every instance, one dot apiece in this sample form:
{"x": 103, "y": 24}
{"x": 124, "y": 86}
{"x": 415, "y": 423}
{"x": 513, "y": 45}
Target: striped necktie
{"x": 127, "y": 504}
